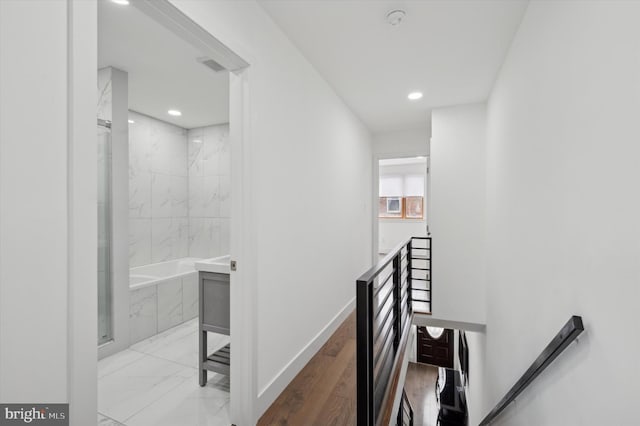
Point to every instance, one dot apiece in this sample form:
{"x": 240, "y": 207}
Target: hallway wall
{"x": 309, "y": 194}
{"x": 33, "y": 138}
{"x": 563, "y": 211}
{"x": 458, "y": 212}
{"x": 402, "y": 143}
{"x": 48, "y": 222}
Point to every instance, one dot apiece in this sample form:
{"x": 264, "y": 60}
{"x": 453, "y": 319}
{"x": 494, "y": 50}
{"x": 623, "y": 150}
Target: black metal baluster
{"x": 397, "y": 309}
{"x": 364, "y": 353}
{"x": 380, "y": 313}
{"x": 409, "y": 277}
{"x": 430, "y": 275}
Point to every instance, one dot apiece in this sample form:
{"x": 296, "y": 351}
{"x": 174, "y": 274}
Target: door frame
{"x": 243, "y": 302}
{"x": 376, "y": 188}
{"x": 82, "y": 25}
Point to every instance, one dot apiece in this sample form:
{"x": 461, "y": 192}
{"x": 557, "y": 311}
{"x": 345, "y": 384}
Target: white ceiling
{"x": 163, "y": 71}
{"x": 449, "y": 50}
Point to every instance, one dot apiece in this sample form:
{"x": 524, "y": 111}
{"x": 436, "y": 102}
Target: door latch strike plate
{"x": 233, "y": 265}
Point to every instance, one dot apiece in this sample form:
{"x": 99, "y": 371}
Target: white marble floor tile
{"x": 187, "y": 405}
{"x": 128, "y": 390}
{"x": 167, "y": 337}
{"x": 117, "y": 361}
{"x": 180, "y": 344}
{"x": 155, "y": 382}
{"x": 185, "y": 350}
{"x": 106, "y": 421}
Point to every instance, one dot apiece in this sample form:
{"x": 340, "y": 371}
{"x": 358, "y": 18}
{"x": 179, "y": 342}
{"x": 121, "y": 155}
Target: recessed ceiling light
{"x": 197, "y": 141}
{"x": 414, "y": 96}
{"x": 121, "y": 2}
{"x": 131, "y": 121}
{"x": 174, "y": 112}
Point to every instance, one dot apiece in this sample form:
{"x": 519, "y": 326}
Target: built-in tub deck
{"x": 156, "y": 273}
{"x": 162, "y": 295}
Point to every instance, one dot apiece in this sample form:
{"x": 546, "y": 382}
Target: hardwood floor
{"x": 420, "y": 388}
{"x": 324, "y": 392}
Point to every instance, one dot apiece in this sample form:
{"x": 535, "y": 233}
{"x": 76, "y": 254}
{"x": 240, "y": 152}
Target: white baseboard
{"x": 271, "y": 391}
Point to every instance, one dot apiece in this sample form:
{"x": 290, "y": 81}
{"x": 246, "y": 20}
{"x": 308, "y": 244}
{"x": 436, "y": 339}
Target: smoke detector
{"x": 395, "y": 17}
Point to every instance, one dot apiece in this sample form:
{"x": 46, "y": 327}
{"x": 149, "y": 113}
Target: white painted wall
{"x": 48, "y": 259}
{"x": 392, "y": 232}
{"x": 28, "y": 231}
{"x": 475, "y": 387}
{"x": 401, "y": 143}
{"x": 309, "y": 176}
{"x": 563, "y": 213}
{"x": 458, "y": 212}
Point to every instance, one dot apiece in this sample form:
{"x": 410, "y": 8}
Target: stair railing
{"x": 565, "y": 336}
{"x": 384, "y": 313}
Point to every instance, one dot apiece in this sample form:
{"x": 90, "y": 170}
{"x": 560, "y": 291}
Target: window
{"x": 435, "y": 332}
{"x": 413, "y": 208}
{"x": 401, "y": 197}
{"x": 394, "y": 205}
{"x": 391, "y": 207}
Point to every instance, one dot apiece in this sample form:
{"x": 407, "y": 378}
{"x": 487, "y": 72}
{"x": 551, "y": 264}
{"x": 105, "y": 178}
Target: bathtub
{"x": 162, "y": 295}
{"x": 156, "y": 273}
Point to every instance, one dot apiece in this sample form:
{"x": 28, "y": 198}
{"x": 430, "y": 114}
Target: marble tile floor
{"x": 106, "y": 421}
{"x": 155, "y": 382}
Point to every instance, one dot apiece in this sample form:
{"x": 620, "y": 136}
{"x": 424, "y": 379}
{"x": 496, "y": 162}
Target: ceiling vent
{"x": 210, "y": 63}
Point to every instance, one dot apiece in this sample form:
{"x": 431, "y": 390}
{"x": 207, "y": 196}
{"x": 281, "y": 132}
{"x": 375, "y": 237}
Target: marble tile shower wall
{"x": 209, "y": 191}
{"x": 158, "y": 191}
{"x": 179, "y": 191}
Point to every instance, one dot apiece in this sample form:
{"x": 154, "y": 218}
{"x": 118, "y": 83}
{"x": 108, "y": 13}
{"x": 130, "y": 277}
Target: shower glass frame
{"x": 105, "y": 285}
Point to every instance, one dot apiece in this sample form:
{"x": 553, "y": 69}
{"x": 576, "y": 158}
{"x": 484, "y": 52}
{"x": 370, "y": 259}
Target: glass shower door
{"x": 104, "y": 232}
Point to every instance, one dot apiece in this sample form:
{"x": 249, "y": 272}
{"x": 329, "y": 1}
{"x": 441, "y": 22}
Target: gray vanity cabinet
{"x": 214, "y": 318}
